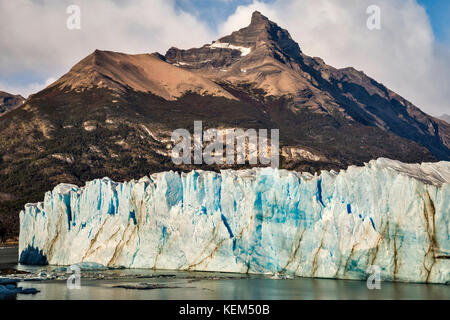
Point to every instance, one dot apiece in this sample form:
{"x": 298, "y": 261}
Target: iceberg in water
{"x": 335, "y": 225}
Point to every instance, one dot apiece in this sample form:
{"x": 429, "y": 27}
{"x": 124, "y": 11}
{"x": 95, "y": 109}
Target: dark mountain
{"x": 266, "y": 56}
{"x": 113, "y": 114}
{"x": 9, "y": 102}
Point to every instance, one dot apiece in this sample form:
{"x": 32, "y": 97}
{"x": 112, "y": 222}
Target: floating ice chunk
{"x": 90, "y": 266}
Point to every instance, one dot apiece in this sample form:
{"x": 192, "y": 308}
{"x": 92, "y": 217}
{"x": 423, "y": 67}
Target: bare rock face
{"x": 140, "y": 72}
{"x": 9, "y": 102}
{"x": 262, "y": 37}
{"x": 266, "y": 56}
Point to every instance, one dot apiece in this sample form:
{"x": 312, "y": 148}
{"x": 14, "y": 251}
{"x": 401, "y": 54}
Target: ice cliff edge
{"x": 334, "y": 225}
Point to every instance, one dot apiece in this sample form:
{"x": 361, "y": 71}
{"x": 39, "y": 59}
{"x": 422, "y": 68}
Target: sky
{"x": 439, "y": 14}
{"x": 216, "y": 12}
{"x": 410, "y": 54}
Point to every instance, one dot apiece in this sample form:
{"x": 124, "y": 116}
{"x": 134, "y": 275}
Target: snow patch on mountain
{"x": 244, "y": 51}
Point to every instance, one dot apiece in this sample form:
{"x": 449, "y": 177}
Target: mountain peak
{"x": 262, "y": 38}
{"x": 259, "y": 19}
{"x": 261, "y": 30}
{"x": 140, "y": 72}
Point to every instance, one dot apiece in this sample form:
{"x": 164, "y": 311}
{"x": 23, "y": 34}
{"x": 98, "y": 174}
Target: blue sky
{"x": 215, "y": 12}
{"x": 439, "y": 13}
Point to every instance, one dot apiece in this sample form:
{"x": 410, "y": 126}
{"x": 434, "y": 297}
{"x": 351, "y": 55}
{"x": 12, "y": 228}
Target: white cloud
{"x": 403, "y": 55}
{"x": 34, "y": 37}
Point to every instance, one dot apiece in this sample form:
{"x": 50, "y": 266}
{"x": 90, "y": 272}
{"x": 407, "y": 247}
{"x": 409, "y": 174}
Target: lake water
{"x": 139, "y": 284}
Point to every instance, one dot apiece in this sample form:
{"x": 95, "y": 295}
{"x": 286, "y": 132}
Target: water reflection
{"x": 199, "y": 286}
{"x": 97, "y": 285}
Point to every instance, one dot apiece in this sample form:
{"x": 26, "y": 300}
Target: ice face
{"x": 334, "y": 225}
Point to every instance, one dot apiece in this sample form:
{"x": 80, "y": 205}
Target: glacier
{"x": 268, "y": 221}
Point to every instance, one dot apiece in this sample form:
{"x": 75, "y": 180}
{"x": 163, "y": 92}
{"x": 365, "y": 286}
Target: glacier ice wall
{"x": 333, "y": 225}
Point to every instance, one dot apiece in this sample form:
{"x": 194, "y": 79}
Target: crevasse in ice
{"x": 334, "y": 225}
